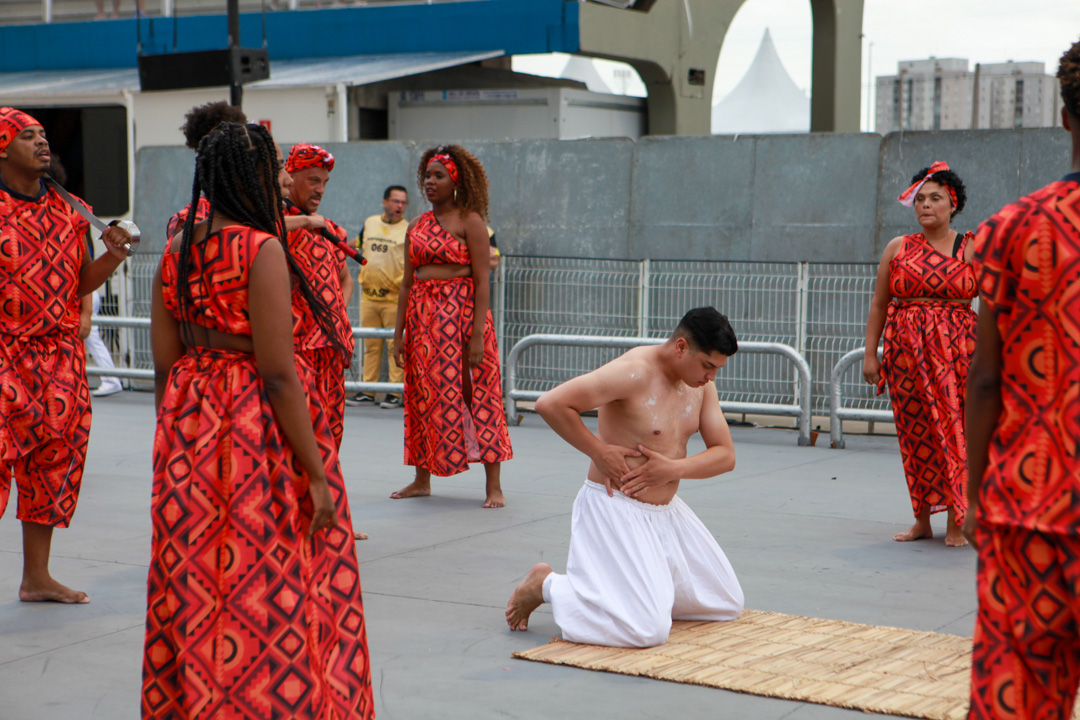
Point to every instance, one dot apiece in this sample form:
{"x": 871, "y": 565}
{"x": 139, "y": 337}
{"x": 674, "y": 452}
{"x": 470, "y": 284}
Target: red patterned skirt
{"x": 443, "y": 432}
{"x": 927, "y": 353}
{"x": 246, "y": 617}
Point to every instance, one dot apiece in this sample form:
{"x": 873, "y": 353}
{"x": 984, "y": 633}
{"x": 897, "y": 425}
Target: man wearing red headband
{"x": 323, "y": 266}
{"x": 44, "y": 395}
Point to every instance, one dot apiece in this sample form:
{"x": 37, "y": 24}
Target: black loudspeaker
{"x": 205, "y": 68}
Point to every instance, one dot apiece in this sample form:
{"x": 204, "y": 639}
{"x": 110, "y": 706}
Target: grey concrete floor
{"x": 808, "y": 531}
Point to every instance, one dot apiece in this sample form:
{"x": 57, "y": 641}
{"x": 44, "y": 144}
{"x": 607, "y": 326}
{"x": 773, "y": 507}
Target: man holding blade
{"x": 44, "y": 397}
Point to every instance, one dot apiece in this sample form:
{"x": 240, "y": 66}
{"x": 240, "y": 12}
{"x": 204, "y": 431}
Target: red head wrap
{"x": 306, "y": 155}
{"x": 13, "y": 122}
{"x": 448, "y": 163}
{"x": 908, "y": 196}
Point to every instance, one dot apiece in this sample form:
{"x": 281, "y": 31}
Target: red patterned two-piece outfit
{"x": 928, "y": 343}
{"x": 443, "y": 432}
{"x": 44, "y": 396}
{"x": 247, "y": 618}
{"x": 1026, "y": 659}
{"x": 321, "y": 263}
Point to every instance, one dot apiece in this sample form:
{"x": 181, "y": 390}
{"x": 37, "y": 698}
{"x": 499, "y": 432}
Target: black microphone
{"x": 342, "y": 245}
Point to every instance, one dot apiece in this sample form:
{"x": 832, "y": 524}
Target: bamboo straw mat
{"x": 864, "y": 667}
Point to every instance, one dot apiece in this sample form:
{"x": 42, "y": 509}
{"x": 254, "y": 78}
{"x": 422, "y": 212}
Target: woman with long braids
{"x": 922, "y": 303}
{"x": 445, "y": 338}
{"x": 254, "y": 606}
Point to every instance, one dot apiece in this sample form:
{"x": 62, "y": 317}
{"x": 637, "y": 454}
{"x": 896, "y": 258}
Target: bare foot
{"x": 52, "y": 591}
{"x": 916, "y": 532}
{"x": 954, "y": 537}
{"x": 495, "y": 500}
{"x": 526, "y": 597}
{"x": 357, "y": 535}
{"x": 411, "y": 490}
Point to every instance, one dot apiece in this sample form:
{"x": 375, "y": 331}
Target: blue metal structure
{"x": 514, "y": 26}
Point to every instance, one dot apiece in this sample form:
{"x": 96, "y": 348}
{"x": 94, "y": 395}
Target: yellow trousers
{"x": 379, "y": 315}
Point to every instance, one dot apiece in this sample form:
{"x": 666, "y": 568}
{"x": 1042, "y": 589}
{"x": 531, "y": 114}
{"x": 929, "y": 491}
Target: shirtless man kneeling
{"x": 639, "y": 557}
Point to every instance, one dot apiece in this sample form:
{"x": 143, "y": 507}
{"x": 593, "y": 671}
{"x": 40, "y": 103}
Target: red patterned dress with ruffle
{"x": 444, "y": 432}
{"x": 928, "y": 343}
{"x": 246, "y": 616}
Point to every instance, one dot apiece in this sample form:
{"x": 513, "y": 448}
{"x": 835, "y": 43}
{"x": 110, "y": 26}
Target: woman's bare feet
{"x": 493, "y": 486}
{"x": 921, "y": 529}
{"x": 413, "y": 489}
{"x": 51, "y": 591}
{"x": 528, "y": 596}
{"x": 357, "y": 535}
{"x": 954, "y": 537}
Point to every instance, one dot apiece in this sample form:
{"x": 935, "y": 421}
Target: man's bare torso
{"x": 655, "y": 412}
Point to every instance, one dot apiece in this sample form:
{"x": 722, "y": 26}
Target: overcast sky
{"x": 983, "y": 31}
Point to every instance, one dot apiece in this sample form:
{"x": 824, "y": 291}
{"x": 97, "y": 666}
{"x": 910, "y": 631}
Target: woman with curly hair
{"x": 254, "y": 607}
{"x": 922, "y": 302}
{"x": 444, "y": 336}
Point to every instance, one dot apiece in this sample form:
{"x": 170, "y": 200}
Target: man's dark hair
{"x": 1068, "y": 75}
{"x": 392, "y": 188}
{"x": 707, "y": 331}
{"x": 204, "y": 118}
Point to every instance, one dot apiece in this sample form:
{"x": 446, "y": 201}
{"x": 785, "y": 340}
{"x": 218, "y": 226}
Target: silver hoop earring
{"x": 455, "y": 194}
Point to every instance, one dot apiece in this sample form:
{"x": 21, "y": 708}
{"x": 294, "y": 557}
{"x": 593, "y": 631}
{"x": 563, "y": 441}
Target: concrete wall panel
{"x": 691, "y": 198}
{"x": 810, "y": 197}
{"x": 814, "y": 196}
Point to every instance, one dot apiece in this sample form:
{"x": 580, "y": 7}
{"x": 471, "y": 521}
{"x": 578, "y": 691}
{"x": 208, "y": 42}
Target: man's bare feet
{"x": 954, "y": 537}
{"x": 413, "y": 489}
{"x": 357, "y": 535}
{"x": 917, "y": 531}
{"x": 495, "y": 500}
{"x": 526, "y": 597}
{"x": 52, "y": 591}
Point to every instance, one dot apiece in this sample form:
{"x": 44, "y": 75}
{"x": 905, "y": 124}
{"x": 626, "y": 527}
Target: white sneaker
{"x": 106, "y": 390}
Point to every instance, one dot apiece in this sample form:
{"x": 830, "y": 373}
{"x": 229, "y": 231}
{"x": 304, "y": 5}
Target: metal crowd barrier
{"x": 351, "y": 386}
{"x": 801, "y": 409}
{"x": 837, "y": 413}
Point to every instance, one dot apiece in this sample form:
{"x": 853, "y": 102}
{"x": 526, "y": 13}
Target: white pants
{"x": 633, "y": 567}
{"x": 101, "y": 355}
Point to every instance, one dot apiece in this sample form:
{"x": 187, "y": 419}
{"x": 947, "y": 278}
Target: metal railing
{"x": 800, "y": 409}
{"x": 838, "y": 413}
{"x": 131, "y": 323}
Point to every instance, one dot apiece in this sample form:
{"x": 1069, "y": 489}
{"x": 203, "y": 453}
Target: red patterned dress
{"x": 321, "y": 264}
{"x": 247, "y": 618}
{"x": 442, "y": 434}
{"x": 44, "y": 397}
{"x": 927, "y": 352}
{"x": 176, "y": 222}
{"x": 1026, "y": 656}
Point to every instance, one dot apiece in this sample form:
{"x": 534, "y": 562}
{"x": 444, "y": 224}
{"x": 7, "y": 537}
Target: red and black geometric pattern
{"x": 246, "y": 617}
{"x": 328, "y": 383}
{"x": 1028, "y": 261}
{"x": 44, "y": 397}
{"x": 176, "y": 222}
{"x": 1026, "y": 656}
{"x": 443, "y": 432}
{"x": 321, "y": 263}
{"x": 928, "y": 346}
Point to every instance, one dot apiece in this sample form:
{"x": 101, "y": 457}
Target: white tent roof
{"x": 582, "y": 69}
{"x": 766, "y": 100}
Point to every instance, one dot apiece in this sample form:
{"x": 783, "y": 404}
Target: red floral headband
{"x": 306, "y": 155}
{"x": 448, "y": 163}
{"x": 907, "y": 197}
{"x": 13, "y": 122}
